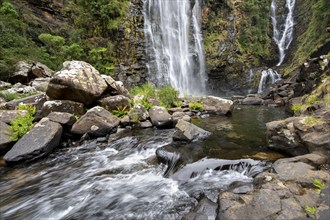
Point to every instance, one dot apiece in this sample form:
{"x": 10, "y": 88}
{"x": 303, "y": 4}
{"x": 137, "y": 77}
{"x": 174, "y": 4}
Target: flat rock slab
{"x": 39, "y": 141}
{"x": 217, "y": 105}
{"x": 186, "y": 131}
{"x": 7, "y": 116}
{"x": 63, "y": 118}
{"x": 62, "y": 106}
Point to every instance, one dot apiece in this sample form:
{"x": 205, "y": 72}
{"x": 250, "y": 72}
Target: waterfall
{"x": 282, "y": 28}
{"x": 174, "y": 45}
{"x": 268, "y": 77}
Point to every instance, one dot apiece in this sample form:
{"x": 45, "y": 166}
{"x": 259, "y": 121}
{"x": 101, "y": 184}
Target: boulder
{"x": 252, "y": 101}
{"x": 217, "y": 105}
{"x": 62, "y": 118}
{"x": 39, "y": 70}
{"x": 39, "y": 141}
{"x": 7, "y": 116}
{"x": 206, "y": 209}
{"x": 35, "y": 100}
{"x": 4, "y": 85}
{"x": 138, "y": 113}
{"x": 186, "y": 131}
{"x": 78, "y": 81}
{"x": 115, "y": 102}
{"x": 115, "y": 87}
{"x": 125, "y": 121}
{"x": 180, "y": 115}
{"x": 21, "y": 72}
{"x": 41, "y": 84}
{"x": 62, "y": 106}
{"x": 146, "y": 124}
{"x": 317, "y": 142}
{"x": 96, "y": 122}
{"x": 160, "y": 117}
{"x": 5, "y": 137}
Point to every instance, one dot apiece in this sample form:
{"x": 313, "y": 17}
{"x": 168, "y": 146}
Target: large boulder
{"x": 186, "y": 131}
{"x": 5, "y": 137}
{"x": 138, "y": 113}
{"x": 115, "y": 102}
{"x": 160, "y": 117}
{"x": 96, "y": 122}
{"x": 78, "y": 81}
{"x": 62, "y": 106}
{"x": 217, "y": 105}
{"x": 62, "y": 118}
{"x": 7, "y": 116}
{"x": 39, "y": 141}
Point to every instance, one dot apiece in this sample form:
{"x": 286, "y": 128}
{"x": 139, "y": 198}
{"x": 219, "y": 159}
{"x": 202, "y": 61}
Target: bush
{"x": 120, "y": 112}
{"x": 148, "y": 90}
{"x": 22, "y": 124}
{"x": 168, "y": 96}
{"x": 196, "y": 106}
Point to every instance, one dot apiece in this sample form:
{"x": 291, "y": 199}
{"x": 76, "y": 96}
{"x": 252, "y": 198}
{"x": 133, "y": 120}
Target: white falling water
{"x": 282, "y": 31}
{"x": 250, "y": 79}
{"x": 268, "y": 77}
{"x": 174, "y": 45}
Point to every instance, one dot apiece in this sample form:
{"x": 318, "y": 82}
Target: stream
{"x": 122, "y": 179}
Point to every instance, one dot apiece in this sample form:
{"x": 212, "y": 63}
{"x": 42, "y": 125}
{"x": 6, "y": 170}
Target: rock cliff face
{"x": 238, "y": 36}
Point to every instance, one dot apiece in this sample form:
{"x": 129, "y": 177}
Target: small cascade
{"x": 283, "y": 26}
{"x": 174, "y": 45}
{"x": 268, "y": 77}
{"x": 251, "y": 74}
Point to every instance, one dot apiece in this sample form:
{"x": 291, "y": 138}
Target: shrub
{"x": 148, "y": 90}
{"x": 296, "y": 108}
{"x": 168, "y": 96}
{"x": 120, "y": 112}
{"x": 196, "y": 106}
{"x": 22, "y": 124}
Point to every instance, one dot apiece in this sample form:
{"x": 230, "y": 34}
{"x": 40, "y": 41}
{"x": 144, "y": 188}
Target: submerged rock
{"x": 96, "y": 122}
{"x": 39, "y": 141}
{"x": 186, "y": 131}
{"x": 78, "y": 81}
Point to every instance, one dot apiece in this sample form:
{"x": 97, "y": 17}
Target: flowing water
{"x": 123, "y": 180}
{"x": 268, "y": 77}
{"x": 174, "y": 45}
{"x": 283, "y": 25}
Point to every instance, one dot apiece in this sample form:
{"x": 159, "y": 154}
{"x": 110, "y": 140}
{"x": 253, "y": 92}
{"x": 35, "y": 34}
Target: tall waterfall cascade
{"x": 174, "y": 45}
{"x": 268, "y": 77}
{"x": 283, "y": 25}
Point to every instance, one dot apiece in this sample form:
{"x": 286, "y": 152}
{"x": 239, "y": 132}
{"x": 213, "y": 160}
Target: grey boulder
{"x": 39, "y": 141}
{"x": 160, "y": 117}
{"x": 186, "y": 131}
{"x": 96, "y": 122}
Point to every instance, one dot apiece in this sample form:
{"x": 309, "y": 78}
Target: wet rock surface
{"x": 186, "y": 131}
{"x": 39, "y": 141}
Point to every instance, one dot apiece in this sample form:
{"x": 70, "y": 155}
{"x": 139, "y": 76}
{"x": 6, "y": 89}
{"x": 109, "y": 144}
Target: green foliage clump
{"x": 196, "y": 106}
{"x": 311, "y": 210}
{"x": 296, "y": 108}
{"x": 254, "y": 28}
{"x": 120, "y": 111}
{"x": 318, "y": 184}
{"x": 168, "y": 96}
{"x": 11, "y": 96}
{"x": 311, "y": 121}
{"x": 22, "y": 124}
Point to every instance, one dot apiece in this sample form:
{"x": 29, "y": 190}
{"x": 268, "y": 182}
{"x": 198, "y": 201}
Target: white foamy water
{"x": 268, "y": 77}
{"x": 174, "y": 45}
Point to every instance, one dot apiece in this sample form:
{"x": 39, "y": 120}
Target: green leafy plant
{"x": 120, "y": 112}
{"x": 168, "y": 96}
{"x": 318, "y": 184}
{"x": 148, "y": 90}
{"x": 311, "y": 210}
{"x": 196, "y": 106}
{"x": 296, "y": 108}
{"x": 22, "y": 124}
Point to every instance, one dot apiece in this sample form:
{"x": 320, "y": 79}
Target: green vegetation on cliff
{"x": 88, "y": 32}
{"x": 315, "y": 35}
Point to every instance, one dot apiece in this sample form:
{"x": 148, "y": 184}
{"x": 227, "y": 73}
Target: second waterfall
{"x": 174, "y": 45}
